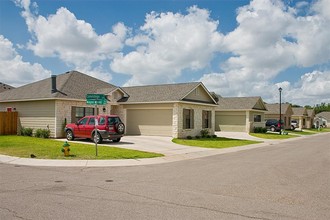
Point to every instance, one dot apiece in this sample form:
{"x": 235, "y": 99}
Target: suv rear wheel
{"x": 120, "y": 127}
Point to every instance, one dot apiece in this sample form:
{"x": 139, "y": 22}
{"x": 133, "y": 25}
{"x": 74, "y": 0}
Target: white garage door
{"x": 149, "y": 122}
{"x": 230, "y": 122}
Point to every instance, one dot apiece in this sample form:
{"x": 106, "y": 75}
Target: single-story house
{"x": 274, "y": 113}
{"x": 322, "y": 118}
{"x": 175, "y": 110}
{"x": 300, "y": 114}
{"x": 239, "y": 114}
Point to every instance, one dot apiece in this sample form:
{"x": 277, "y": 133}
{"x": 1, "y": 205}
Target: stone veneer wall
{"x": 120, "y": 111}
{"x": 63, "y": 111}
{"x": 179, "y": 132}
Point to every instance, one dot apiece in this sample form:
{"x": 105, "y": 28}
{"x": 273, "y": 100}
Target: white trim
{"x": 206, "y": 90}
{"x": 239, "y": 110}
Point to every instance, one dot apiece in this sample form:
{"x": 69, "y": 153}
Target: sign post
{"x": 96, "y": 99}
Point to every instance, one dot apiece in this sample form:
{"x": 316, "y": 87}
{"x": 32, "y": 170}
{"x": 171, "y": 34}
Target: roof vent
{"x": 54, "y": 83}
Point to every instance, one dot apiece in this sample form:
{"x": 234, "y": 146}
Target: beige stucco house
{"x": 175, "y": 110}
{"x": 240, "y": 114}
{"x": 274, "y": 113}
{"x": 300, "y": 114}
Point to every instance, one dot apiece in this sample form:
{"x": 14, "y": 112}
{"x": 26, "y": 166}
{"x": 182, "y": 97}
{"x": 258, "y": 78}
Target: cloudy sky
{"x": 235, "y": 47}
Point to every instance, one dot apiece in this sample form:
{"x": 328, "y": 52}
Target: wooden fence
{"x": 8, "y": 123}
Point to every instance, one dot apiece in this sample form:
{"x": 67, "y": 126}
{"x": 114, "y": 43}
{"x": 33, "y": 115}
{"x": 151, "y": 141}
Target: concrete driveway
{"x": 156, "y": 144}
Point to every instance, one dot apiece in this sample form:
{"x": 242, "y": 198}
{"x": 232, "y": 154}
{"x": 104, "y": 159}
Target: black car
{"x": 273, "y": 125}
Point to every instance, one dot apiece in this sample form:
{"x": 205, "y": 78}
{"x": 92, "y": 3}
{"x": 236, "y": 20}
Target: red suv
{"x": 108, "y": 127}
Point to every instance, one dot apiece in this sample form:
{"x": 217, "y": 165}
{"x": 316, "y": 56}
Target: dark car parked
{"x": 107, "y": 127}
{"x": 273, "y": 125}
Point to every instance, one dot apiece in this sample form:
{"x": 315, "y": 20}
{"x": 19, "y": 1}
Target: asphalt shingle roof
{"x": 299, "y": 111}
{"x": 70, "y": 85}
{"x": 159, "y": 93}
{"x": 275, "y": 108}
{"x": 5, "y": 87}
{"x": 75, "y": 85}
{"x": 239, "y": 103}
{"x": 325, "y": 115}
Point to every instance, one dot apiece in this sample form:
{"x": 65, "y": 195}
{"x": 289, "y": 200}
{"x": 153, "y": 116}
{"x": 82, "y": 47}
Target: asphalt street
{"x": 289, "y": 180}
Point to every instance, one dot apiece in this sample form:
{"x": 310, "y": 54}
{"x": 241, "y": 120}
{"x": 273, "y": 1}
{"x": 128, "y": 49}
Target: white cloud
{"x": 74, "y": 41}
{"x": 270, "y": 38}
{"x": 13, "y": 70}
{"x": 168, "y": 44}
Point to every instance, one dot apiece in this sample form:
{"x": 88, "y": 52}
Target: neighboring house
{"x": 239, "y": 114}
{"x": 310, "y": 118}
{"x": 176, "y": 110}
{"x": 274, "y": 113}
{"x": 322, "y": 118}
{"x": 300, "y": 114}
{"x": 5, "y": 87}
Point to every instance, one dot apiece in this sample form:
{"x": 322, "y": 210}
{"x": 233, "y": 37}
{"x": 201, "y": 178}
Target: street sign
{"x": 96, "y": 99}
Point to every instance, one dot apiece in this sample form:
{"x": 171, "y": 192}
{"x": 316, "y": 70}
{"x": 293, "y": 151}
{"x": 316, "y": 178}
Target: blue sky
{"x": 236, "y": 48}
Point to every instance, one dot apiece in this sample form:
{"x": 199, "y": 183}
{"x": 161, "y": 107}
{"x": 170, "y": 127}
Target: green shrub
{"x": 26, "y": 131}
{"x": 208, "y": 136}
{"x": 259, "y": 130}
{"x": 42, "y": 133}
{"x": 214, "y": 136}
{"x": 198, "y": 137}
{"x": 189, "y": 137}
{"x": 204, "y": 133}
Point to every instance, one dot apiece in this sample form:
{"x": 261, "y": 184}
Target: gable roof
{"x": 275, "y": 108}
{"x": 310, "y": 112}
{"x": 325, "y": 115}
{"x": 241, "y": 103}
{"x": 162, "y": 93}
{"x": 299, "y": 111}
{"x": 5, "y": 87}
{"x": 70, "y": 85}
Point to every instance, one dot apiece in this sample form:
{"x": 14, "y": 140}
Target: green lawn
{"x": 303, "y": 132}
{"x": 20, "y": 146}
{"x": 272, "y": 135}
{"x": 218, "y": 142}
{"x": 321, "y": 130}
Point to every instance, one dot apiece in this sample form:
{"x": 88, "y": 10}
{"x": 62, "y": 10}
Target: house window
{"x": 257, "y": 118}
{"x": 206, "y": 117}
{"x": 80, "y": 112}
{"x": 188, "y": 118}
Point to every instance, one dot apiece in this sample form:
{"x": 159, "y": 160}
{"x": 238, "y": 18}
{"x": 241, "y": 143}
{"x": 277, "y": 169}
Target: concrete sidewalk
{"x": 173, "y": 152}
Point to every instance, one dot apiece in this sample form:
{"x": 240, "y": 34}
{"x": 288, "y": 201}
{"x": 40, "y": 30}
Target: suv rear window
{"x": 113, "y": 120}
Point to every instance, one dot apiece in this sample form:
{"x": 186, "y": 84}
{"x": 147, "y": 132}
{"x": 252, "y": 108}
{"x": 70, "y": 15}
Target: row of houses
{"x": 175, "y": 110}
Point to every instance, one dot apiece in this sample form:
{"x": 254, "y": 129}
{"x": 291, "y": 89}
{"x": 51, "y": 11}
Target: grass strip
{"x": 272, "y": 135}
{"x": 218, "y": 142}
{"x": 22, "y": 146}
